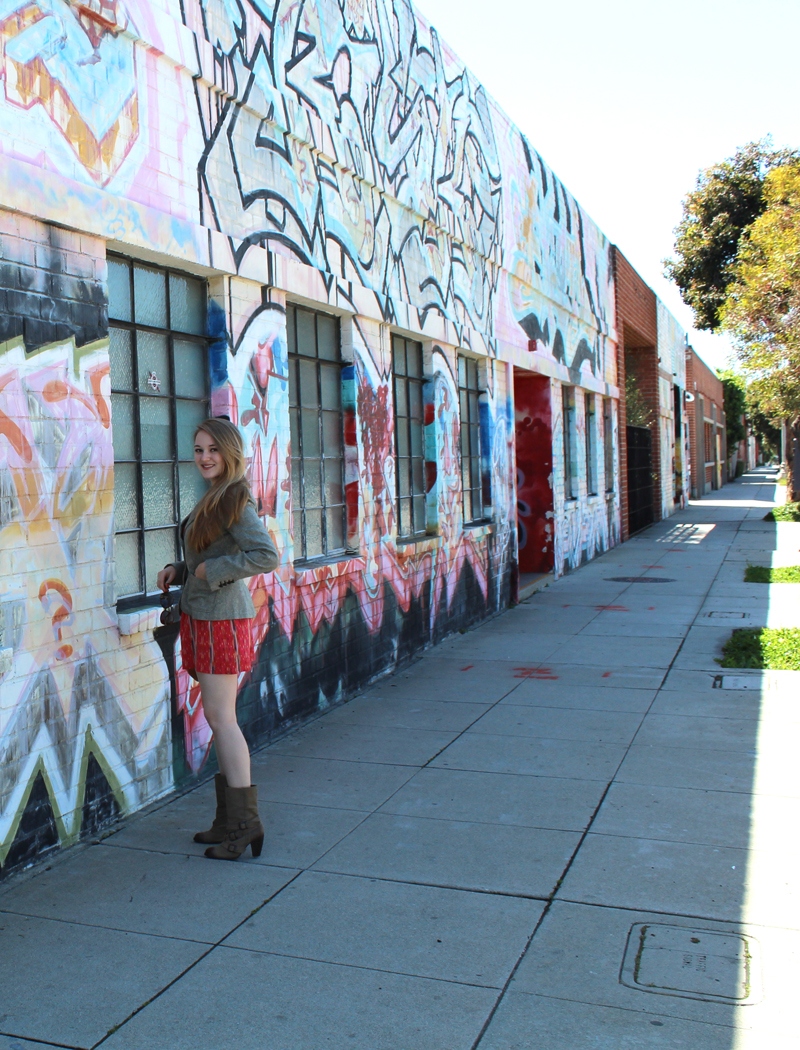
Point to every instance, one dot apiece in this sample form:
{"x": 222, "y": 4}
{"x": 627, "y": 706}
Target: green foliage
{"x": 775, "y": 649}
{"x": 637, "y": 413}
{"x": 726, "y": 201}
{"x": 768, "y": 435}
{"x": 734, "y": 392}
{"x": 786, "y": 512}
{"x": 764, "y": 574}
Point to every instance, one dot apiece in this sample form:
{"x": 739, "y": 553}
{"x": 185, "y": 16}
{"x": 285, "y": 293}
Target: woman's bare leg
{"x": 219, "y": 703}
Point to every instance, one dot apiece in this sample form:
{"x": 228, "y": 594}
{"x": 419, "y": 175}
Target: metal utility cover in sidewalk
{"x": 693, "y": 964}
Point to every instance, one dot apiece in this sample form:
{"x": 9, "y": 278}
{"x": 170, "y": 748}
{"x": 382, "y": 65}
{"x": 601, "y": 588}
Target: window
{"x": 590, "y": 423}
{"x": 409, "y": 436}
{"x": 608, "y": 443}
{"x": 570, "y": 466}
{"x": 159, "y": 393}
{"x": 471, "y": 482}
{"x": 317, "y": 433}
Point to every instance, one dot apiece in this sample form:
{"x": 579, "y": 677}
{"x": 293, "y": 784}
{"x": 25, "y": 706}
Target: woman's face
{"x": 207, "y": 456}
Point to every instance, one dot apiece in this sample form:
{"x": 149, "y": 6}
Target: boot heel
{"x": 256, "y": 845}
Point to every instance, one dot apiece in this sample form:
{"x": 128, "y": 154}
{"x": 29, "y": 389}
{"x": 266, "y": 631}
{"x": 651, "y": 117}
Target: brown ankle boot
{"x": 216, "y": 833}
{"x": 244, "y": 826}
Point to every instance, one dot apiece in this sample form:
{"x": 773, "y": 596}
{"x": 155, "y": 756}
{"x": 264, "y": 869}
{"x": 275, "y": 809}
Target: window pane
{"x": 310, "y": 424}
{"x": 473, "y": 408}
{"x": 306, "y": 335}
{"x": 415, "y": 400}
{"x": 159, "y": 550}
{"x": 335, "y": 523}
{"x": 126, "y": 514}
{"x": 157, "y": 494}
{"x": 297, "y": 491}
{"x": 119, "y": 290}
{"x": 419, "y": 514}
{"x": 462, "y": 371}
{"x": 312, "y": 488}
{"x": 120, "y": 353}
{"x": 415, "y": 360}
{"x": 404, "y": 476}
{"x": 332, "y": 434}
{"x": 191, "y": 368}
{"x": 402, "y": 438}
{"x": 191, "y": 486}
{"x": 331, "y": 382}
{"x": 187, "y": 304}
{"x": 399, "y": 355}
{"x": 156, "y": 436}
{"x": 294, "y": 433}
{"x": 328, "y": 337}
{"x": 290, "y": 329}
{"x": 126, "y": 558}
{"x": 189, "y": 414}
{"x": 401, "y": 402}
{"x": 313, "y": 533}
{"x": 418, "y": 475}
{"x": 416, "y": 439}
{"x": 468, "y": 515}
{"x": 122, "y": 426}
{"x": 293, "y": 391}
{"x": 150, "y": 296}
{"x": 333, "y": 485}
{"x": 405, "y": 517}
{"x": 153, "y": 353}
{"x": 309, "y": 394}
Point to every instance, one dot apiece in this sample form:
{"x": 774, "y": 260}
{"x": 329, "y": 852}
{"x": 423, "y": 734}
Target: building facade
{"x": 707, "y": 433}
{"x": 318, "y": 224}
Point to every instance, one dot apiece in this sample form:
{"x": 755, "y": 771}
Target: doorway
{"x": 533, "y": 436}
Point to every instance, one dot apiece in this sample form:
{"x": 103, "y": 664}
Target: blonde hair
{"x": 224, "y": 502}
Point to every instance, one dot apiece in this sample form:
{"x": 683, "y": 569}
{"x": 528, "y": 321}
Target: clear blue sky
{"x": 627, "y": 101}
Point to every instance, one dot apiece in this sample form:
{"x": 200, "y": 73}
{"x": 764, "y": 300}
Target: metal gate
{"x": 640, "y": 478}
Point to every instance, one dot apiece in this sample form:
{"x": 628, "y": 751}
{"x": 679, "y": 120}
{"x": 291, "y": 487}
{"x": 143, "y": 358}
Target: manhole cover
{"x": 728, "y": 616}
{"x": 638, "y": 579}
{"x": 693, "y": 964}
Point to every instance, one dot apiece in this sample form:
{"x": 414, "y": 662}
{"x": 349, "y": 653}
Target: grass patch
{"x": 764, "y": 574}
{"x": 788, "y": 512}
{"x": 774, "y": 649}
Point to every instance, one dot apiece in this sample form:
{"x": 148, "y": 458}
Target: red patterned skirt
{"x": 216, "y": 646}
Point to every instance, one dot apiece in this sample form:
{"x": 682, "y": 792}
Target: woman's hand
{"x": 200, "y": 571}
{"x": 166, "y": 578}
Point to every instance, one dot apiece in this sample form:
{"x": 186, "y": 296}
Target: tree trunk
{"x": 793, "y": 455}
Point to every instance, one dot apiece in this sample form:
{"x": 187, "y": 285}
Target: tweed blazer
{"x": 243, "y": 550}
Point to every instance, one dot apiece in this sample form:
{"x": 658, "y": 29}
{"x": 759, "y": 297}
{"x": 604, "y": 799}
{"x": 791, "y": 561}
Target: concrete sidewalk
{"x": 568, "y": 829}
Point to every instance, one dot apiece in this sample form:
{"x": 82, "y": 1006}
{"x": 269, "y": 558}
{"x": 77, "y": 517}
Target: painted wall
{"x": 335, "y": 153}
{"x": 674, "y": 432}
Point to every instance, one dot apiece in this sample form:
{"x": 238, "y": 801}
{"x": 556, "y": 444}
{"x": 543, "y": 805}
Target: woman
{"x": 224, "y": 542}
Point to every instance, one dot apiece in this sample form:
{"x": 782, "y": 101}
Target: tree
{"x": 734, "y": 391}
{"x": 762, "y": 306}
{"x": 727, "y": 199}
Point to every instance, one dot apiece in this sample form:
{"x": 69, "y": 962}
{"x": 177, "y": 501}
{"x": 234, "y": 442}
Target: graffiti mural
{"x": 84, "y": 714}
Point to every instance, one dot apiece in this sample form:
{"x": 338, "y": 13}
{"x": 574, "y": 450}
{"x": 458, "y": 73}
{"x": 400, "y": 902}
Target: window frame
{"x": 570, "y": 434}
{"x": 147, "y": 596}
{"x": 408, "y": 382}
{"x": 474, "y": 450}
{"x": 590, "y": 437}
{"x": 608, "y": 443}
{"x": 300, "y": 509}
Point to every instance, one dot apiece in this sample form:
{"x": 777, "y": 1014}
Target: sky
{"x": 629, "y": 101}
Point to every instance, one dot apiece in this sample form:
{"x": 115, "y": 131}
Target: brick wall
{"x": 707, "y": 389}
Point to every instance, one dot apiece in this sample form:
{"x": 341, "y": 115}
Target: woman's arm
{"x": 256, "y": 552}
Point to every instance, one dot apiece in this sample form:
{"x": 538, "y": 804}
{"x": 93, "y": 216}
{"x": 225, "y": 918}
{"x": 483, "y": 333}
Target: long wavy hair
{"x": 227, "y": 497}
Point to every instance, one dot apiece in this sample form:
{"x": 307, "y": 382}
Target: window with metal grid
{"x": 409, "y": 437}
{"x": 608, "y": 443}
{"x": 590, "y": 426}
{"x": 570, "y": 446}
{"x": 471, "y": 478}
{"x": 317, "y": 433}
{"x": 159, "y": 393}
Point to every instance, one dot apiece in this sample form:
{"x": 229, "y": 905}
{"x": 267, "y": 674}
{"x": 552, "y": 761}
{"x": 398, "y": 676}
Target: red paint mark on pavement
{"x": 607, "y": 674}
{"x": 651, "y": 608}
{"x": 467, "y": 667}
{"x": 536, "y": 673}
